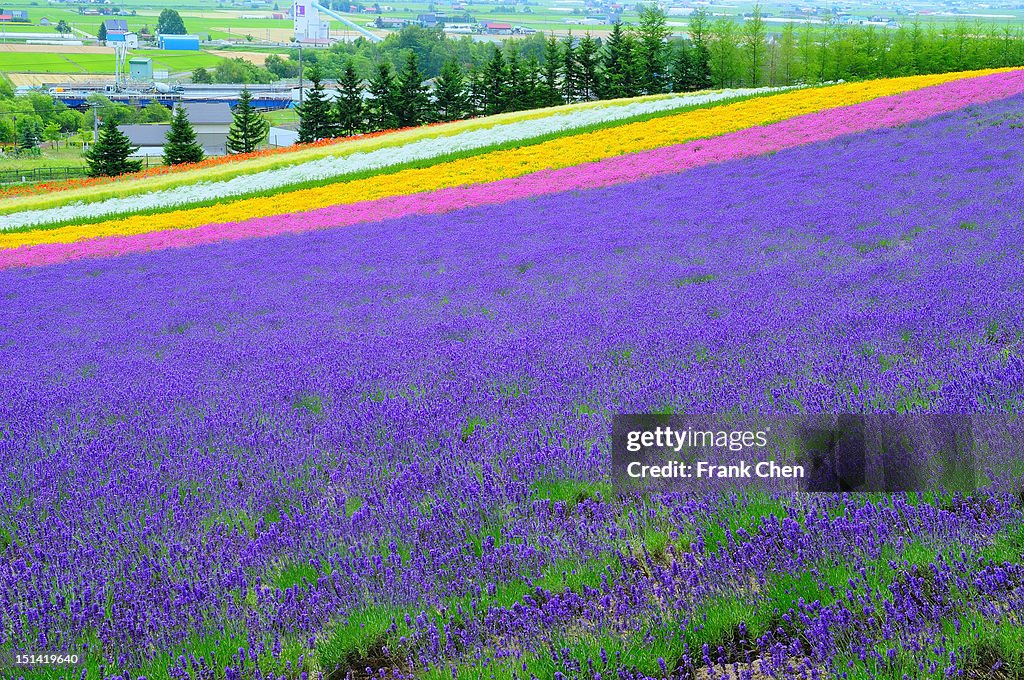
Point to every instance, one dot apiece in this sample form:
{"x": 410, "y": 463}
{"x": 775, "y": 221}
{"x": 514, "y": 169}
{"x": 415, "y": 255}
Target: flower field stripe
{"x": 822, "y": 126}
{"x": 561, "y": 152}
{"x": 163, "y": 177}
{"x": 321, "y": 162}
{"x": 575, "y": 149}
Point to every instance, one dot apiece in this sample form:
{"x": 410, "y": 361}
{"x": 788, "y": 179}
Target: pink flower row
{"x": 815, "y": 127}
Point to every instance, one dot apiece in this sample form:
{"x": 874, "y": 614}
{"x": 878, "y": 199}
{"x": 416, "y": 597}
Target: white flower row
{"x": 332, "y": 167}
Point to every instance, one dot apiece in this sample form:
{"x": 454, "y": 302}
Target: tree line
{"x": 636, "y": 60}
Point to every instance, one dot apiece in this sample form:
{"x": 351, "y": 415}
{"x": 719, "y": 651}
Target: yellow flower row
{"x": 128, "y": 186}
{"x": 558, "y": 153}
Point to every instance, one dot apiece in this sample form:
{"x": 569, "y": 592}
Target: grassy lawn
{"x": 282, "y": 116}
{"x": 48, "y": 158}
{"x": 16, "y": 62}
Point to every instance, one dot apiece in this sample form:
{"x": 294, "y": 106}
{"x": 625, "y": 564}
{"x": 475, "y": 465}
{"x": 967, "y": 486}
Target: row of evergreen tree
{"x": 741, "y": 51}
{"x": 629, "y": 63}
{"x": 644, "y": 59}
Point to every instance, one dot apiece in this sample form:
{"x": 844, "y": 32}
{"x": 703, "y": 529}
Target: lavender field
{"x": 382, "y": 450}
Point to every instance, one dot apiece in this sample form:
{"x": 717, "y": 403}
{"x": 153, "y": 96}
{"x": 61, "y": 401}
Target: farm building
{"x": 208, "y": 118}
{"x": 149, "y": 138}
{"x": 179, "y": 42}
{"x": 14, "y": 15}
{"x": 498, "y": 28}
{"x": 140, "y": 69}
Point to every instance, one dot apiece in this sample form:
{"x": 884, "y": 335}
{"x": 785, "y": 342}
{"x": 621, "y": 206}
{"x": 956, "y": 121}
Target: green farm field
{"x": 15, "y": 62}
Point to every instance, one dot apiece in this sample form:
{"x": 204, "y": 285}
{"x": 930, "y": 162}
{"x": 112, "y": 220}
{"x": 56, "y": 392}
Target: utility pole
{"x": 300, "y": 74}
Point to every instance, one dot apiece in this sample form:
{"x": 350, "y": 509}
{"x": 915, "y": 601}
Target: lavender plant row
{"x": 258, "y": 442}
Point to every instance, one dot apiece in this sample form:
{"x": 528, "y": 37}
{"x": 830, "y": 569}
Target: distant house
{"x": 386, "y": 22}
{"x": 208, "y": 116}
{"x": 498, "y": 28}
{"x": 149, "y": 138}
{"x": 210, "y": 121}
{"x": 116, "y": 25}
{"x": 18, "y": 15}
{"x": 45, "y": 22}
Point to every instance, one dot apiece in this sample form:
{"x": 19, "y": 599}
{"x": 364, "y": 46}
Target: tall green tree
{"x": 787, "y": 54}
{"x": 248, "y": 128}
{"x": 383, "y": 98}
{"x": 201, "y": 76}
{"x": 111, "y": 154}
{"x": 475, "y": 88}
{"x": 101, "y": 34}
{"x": 618, "y": 65}
{"x": 315, "y": 121}
{"x": 682, "y": 67}
{"x": 570, "y": 70}
{"x": 349, "y": 108}
{"x": 587, "y": 60}
{"x": 495, "y": 87}
{"x": 552, "y": 70}
{"x": 652, "y": 50}
{"x": 412, "y": 96}
{"x": 699, "y": 30}
{"x": 517, "y": 93}
{"x": 451, "y": 96}
{"x": 536, "y": 96}
{"x": 30, "y": 135}
{"x": 724, "y": 52}
{"x": 181, "y": 146}
{"x": 753, "y": 35}
{"x": 170, "y": 23}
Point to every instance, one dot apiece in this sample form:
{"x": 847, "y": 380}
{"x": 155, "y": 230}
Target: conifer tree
{"x": 315, "y": 111}
{"x": 586, "y": 61}
{"x": 30, "y": 135}
{"x": 181, "y": 146}
{"x": 570, "y": 70}
{"x": 754, "y": 35}
{"x": 475, "y": 90}
{"x": 652, "y": 50}
{"x": 494, "y": 84}
{"x": 699, "y": 30}
{"x": 111, "y": 154}
{"x": 384, "y": 95}
{"x": 249, "y": 128}
{"x": 412, "y": 96}
{"x": 553, "y": 60}
{"x": 349, "y": 109}
{"x": 451, "y": 96}
{"x": 516, "y": 89}
{"x": 682, "y": 68}
{"x": 533, "y": 86}
{"x": 618, "y": 68}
